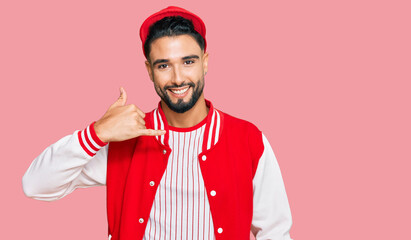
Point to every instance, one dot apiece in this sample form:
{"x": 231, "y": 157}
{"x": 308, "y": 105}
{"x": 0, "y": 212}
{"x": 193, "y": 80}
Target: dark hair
{"x": 171, "y": 26}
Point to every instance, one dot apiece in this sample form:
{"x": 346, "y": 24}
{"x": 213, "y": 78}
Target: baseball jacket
{"x": 241, "y": 177}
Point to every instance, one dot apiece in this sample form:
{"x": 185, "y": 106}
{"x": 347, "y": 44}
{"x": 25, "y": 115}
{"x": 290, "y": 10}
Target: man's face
{"x": 177, "y": 66}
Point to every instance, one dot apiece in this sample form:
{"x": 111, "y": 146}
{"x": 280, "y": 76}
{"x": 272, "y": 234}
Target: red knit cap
{"x": 199, "y": 25}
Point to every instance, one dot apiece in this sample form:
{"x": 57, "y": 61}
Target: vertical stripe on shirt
{"x": 181, "y": 209}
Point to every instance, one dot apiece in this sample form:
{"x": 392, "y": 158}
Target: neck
{"x": 187, "y": 119}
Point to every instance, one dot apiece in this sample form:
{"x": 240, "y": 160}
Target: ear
{"x": 149, "y": 70}
{"x": 205, "y": 62}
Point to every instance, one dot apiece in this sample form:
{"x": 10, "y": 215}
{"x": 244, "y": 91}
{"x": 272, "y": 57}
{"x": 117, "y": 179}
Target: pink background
{"x": 328, "y": 82}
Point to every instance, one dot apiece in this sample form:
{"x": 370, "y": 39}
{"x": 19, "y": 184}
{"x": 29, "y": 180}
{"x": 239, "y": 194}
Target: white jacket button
{"x": 204, "y": 157}
{"x": 164, "y": 151}
{"x": 141, "y": 220}
{"x": 152, "y": 183}
{"x": 219, "y": 230}
{"x": 213, "y": 193}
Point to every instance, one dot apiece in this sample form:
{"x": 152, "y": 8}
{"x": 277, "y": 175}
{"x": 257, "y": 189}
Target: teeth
{"x": 179, "y": 91}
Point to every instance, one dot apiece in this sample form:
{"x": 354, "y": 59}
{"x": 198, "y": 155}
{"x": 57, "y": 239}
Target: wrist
{"x": 89, "y": 140}
{"x": 97, "y": 135}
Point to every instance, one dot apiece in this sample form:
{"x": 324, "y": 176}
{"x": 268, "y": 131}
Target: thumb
{"x": 121, "y": 101}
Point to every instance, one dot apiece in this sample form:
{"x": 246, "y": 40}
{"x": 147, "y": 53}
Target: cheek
{"x": 161, "y": 78}
{"x": 194, "y": 73}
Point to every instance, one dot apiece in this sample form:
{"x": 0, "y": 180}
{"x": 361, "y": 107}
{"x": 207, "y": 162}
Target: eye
{"x": 161, "y": 66}
{"x": 188, "y": 62}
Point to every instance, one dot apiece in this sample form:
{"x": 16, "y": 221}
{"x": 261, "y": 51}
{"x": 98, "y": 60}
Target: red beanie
{"x": 199, "y": 25}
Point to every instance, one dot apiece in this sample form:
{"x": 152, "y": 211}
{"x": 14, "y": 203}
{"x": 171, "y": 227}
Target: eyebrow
{"x": 160, "y": 61}
{"x": 190, "y": 57}
{"x": 183, "y": 58}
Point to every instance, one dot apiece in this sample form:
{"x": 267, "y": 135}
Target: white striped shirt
{"x": 181, "y": 209}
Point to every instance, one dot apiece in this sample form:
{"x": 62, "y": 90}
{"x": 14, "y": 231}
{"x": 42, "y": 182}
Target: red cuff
{"x": 89, "y": 140}
{"x": 95, "y": 137}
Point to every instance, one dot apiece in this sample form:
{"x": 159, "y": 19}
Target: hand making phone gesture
{"x": 122, "y": 122}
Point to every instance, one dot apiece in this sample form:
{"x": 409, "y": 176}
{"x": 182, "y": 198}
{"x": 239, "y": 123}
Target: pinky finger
{"x": 151, "y": 132}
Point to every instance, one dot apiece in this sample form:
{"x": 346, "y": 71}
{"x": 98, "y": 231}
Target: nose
{"x": 177, "y": 76}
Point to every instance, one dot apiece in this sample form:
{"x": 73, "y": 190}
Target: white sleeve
{"x": 78, "y": 160}
{"x": 271, "y": 211}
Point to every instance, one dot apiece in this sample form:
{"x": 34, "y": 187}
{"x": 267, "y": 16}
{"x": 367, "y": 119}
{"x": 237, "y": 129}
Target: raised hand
{"x": 122, "y": 122}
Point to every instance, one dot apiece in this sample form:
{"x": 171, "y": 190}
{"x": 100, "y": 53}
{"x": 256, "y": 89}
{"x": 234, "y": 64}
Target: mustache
{"x": 179, "y": 86}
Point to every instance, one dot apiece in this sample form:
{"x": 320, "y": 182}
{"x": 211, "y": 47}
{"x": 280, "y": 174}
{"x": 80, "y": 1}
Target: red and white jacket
{"x": 242, "y": 178}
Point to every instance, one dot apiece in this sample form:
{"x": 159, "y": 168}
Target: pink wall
{"x": 328, "y": 82}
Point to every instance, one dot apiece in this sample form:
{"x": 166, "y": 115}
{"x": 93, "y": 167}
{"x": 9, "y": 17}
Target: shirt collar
{"x": 212, "y": 130}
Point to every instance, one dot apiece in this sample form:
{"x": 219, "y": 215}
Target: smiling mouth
{"x": 179, "y": 91}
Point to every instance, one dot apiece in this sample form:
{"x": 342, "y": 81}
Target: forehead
{"x": 174, "y": 47}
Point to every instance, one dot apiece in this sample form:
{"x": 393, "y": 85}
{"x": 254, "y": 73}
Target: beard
{"x": 180, "y": 106}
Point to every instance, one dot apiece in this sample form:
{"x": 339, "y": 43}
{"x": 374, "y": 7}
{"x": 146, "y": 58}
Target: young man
{"x": 182, "y": 171}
